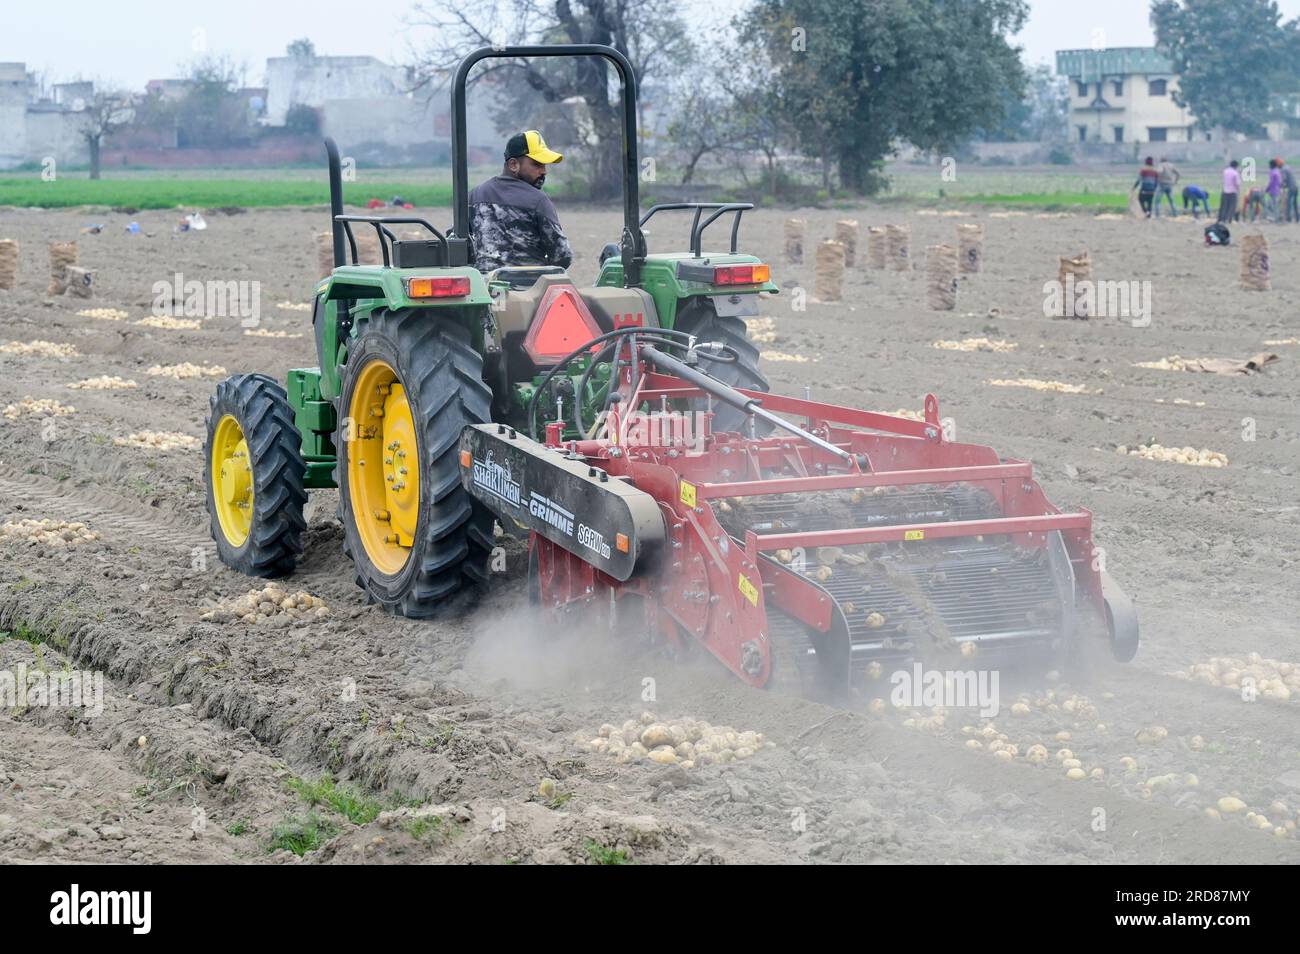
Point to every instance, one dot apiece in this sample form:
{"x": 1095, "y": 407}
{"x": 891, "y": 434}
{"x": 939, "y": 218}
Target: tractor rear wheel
{"x": 699, "y": 318}
{"x": 411, "y": 384}
{"x": 255, "y": 476}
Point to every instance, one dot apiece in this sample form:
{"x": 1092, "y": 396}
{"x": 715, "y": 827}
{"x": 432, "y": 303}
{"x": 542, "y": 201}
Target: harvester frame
{"x": 701, "y": 579}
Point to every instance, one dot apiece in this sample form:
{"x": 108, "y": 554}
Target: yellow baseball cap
{"x": 532, "y": 145}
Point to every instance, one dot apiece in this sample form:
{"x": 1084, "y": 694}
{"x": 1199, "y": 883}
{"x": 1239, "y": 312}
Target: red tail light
{"x": 437, "y": 287}
{"x": 740, "y": 274}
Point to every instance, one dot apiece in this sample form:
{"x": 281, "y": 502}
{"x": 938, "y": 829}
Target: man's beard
{"x": 539, "y": 181}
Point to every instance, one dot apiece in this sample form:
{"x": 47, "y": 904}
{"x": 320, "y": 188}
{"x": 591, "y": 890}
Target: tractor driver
{"x": 512, "y": 221}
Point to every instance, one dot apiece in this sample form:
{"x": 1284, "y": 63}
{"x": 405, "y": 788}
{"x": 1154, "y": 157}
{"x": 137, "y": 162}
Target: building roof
{"x": 1091, "y": 65}
{"x": 328, "y": 61}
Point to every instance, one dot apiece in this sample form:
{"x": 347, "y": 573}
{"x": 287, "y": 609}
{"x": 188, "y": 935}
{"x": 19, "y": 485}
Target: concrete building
{"x": 1284, "y": 117}
{"x": 13, "y": 114}
{"x": 36, "y": 125}
{"x": 1124, "y": 94}
{"x": 74, "y": 96}
{"x": 315, "y": 80}
{"x": 374, "y": 110}
{"x": 168, "y": 90}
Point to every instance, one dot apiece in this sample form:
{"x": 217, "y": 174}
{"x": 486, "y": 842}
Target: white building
{"x": 1124, "y": 94}
{"x": 368, "y": 104}
{"x": 315, "y": 80}
{"x": 37, "y": 124}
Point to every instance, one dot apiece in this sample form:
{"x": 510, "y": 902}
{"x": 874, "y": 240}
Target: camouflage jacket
{"x": 513, "y": 223}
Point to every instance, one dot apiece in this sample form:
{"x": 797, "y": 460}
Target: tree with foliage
{"x": 154, "y": 111}
{"x": 756, "y": 126}
{"x": 650, "y": 33}
{"x": 1230, "y": 56}
{"x": 302, "y": 48}
{"x": 1041, "y": 115}
{"x": 105, "y": 112}
{"x": 699, "y": 128}
{"x": 719, "y": 106}
{"x": 302, "y": 119}
{"x": 854, "y": 77}
{"x": 211, "y": 113}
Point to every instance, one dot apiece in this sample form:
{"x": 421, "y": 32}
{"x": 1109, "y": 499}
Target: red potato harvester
{"x": 825, "y": 544}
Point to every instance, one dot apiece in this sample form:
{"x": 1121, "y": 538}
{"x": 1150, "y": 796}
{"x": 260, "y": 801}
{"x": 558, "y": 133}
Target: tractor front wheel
{"x": 254, "y": 476}
{"x": 411, "y": 384}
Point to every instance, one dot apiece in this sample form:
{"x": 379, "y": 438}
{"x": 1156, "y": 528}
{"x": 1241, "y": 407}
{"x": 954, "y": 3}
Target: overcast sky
{"x": 132, "y": 41}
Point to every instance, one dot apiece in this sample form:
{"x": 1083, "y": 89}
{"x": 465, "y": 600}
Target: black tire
{"x": 442, "y": 375}
{"x": 699, "y": 318}
{"x": 275, "y": 538}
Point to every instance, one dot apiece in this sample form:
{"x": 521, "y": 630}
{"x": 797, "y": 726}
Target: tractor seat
{"x": 523, "y": 276}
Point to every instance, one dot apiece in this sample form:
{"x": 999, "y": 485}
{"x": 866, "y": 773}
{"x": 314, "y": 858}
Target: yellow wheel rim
{"x": 383, "y": 467}
{"x": 232, "y": 481}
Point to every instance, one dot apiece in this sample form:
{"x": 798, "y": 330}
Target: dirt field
{"x": 450, "y": 727}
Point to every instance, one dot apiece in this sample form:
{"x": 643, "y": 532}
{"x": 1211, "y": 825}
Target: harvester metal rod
{"x": 741, "y": 402}
{"x": 810, "y": 437}
{"x": 710, "y": 385}
{"x": 920, "y": 531}
{"x": 836, "y": 414}
{"x": 887, "y": 478}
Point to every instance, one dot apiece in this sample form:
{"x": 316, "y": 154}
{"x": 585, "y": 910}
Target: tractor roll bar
{"x": 697, "y": 229}
{"x": 336, "y": 200}
{"x": 633, "y": 244}
{"x": 386, "y": 237}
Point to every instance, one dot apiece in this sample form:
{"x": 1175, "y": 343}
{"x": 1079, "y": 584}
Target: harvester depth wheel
{"x": 254, "y": 476}
{"x": 699, "y": 318}
{"x": 411, "y": 384}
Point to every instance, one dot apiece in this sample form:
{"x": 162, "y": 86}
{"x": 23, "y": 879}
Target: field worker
{"x": 1252, "y": 209}
{"x": 1289, "y": 184}
{"x": 1168, "y": 178}
{"x": 1273, "y": 191}
{"x": 512, "y": 221}
{"x": 1228, "y": 198}
{"x": 1147, "y": 181}
{"x": 1198, "y": 198}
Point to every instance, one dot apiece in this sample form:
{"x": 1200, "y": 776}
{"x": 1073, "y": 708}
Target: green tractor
{"x": 415, "y": 350}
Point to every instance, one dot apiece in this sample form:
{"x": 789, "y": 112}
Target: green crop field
{"x": 168, "y": 192}
{"x": 1097, "y": 187}
{"x": 1053, "y": 201}
{"x": 1045, "y": 188}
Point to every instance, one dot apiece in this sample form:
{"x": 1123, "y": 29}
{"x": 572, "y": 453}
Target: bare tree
{"x": 105, "y": 112}
{"x": 649, "y": 32}
{"x": 724, "y": 108}
{"x": 698, "y": 128}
